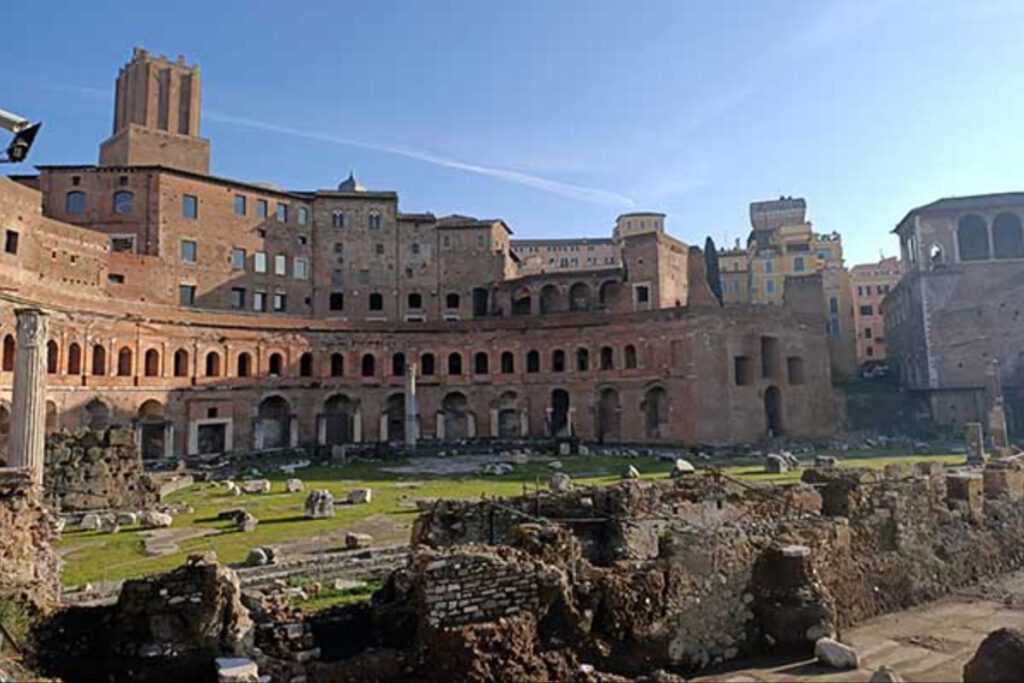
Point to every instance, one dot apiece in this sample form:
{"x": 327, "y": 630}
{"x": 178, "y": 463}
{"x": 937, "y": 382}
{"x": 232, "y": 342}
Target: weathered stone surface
{"x": 109, "y": 525}
{"x": 256, "y": 486}
{"x": 631, "y": 473}
{"x": 91, "y": 470}
{"x": 29, "y": 566}
{"x": 232, "y": 489}
{"x": 237, "y": 670}
{"x": 257, "y": 557}
{"x": 319, "y": 504}
{"x": 560, "y": 482}
{"x": 91, "y": 522}
{"x": 127, "y": 518}
{"x": 151, "y": 519}
{"x": 681, "y": 468}
{"x": 294, "y": 486}
{"x": 775, "y": 464}
{"x": 835, "y": 654}
{"x": 354, "y": 540}
{"x": 999, "y": 658}
{"x": 359, "y": 496}
{"x": 246, "y": 522}
{"x": 885, "y": 674}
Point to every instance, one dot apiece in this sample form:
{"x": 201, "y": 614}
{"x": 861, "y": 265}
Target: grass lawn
{"x": 92, "y": 556}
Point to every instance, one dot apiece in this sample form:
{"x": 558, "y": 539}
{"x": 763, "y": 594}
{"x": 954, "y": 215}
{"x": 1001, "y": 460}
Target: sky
{"x": 559, "y": 115}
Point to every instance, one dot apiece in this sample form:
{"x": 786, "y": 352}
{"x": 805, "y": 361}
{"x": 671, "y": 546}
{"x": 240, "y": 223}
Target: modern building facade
{"x": 217, "y": 315}
{"x": 871, "y": 283}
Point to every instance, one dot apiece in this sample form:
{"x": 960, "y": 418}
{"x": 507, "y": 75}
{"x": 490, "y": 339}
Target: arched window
{"x": 582, "y": 360}
{"x": 558, "y": 360}
{"x": 1007, "y": 239}
{"x": 181, "y": 363}
{"x": 213, "y": 364}
{"x": 454, "y": 364}
{"x": 74, "y": 358}
{"x": 275, "y": 365}
{"x": 124, "y": 362}
{"x": 481, "y": 362}
{"x": 74, "y": 203}
{"x": 8, "y": 359}
{"x": 244, "y": 365}
{"x": 52, "y": 358}
{"x": 99, "y": 360}
{"x": 427, "y": 364}
{"x": 369, "y": 365}
{"x": 152, "y": 363}
{"x": 398, "y": 364}
{"x": 607, "y": 358}
{"x": 630, "y": 355}
{"x": 306, "y": 364}
{"x": 508, "y": 363}
{"x": 972, "y": 238}
{"x": 533, "y": 361}
{"x": 376, "y": 301}
{"x": 580, "y": 297}
{"x": 451, "y": 301}
{"x": 123, "y": 201}
{"x": 415, "y": 301}
{"x": 337, "y": 365}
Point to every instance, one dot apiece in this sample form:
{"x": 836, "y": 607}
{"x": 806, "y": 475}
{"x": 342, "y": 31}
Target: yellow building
{"x": 783, "y": 244}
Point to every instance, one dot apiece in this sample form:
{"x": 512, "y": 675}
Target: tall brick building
{"x": 220, "y": 315}
{"x": 871, "y": 283}
{"x": 955, "y": 322}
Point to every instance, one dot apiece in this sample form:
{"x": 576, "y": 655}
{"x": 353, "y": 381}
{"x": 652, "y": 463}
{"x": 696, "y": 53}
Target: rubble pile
{"x": 92, "y": 470}
{"x": 29, "y": 567}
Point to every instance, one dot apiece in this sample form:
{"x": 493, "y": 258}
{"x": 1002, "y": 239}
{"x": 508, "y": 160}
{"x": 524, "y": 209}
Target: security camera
{"x": 24, "y": 135}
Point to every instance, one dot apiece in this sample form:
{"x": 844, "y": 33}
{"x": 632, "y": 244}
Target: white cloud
{"x": 579, "y": 192}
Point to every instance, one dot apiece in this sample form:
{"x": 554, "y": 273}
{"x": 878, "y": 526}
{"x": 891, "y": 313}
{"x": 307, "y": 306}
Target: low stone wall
{"x": 91, "y": 470}
{"x": 29, "y": 567}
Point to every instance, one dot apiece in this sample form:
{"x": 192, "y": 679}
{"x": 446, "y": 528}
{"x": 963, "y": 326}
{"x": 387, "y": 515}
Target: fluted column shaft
{"x": 28, "y": 412}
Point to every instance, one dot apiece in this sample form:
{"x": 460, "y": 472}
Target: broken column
{"x": 412, "y": 409}
{"x": 975, "y": 443}
{"x": 28, "y": 414}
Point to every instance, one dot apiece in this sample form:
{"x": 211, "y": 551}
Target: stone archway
{"x": 773, "y": 414}
{"x": 273, "y": 423}
{"x": 339, "y": 420}
{"x": 394, "y": 416}
{"x": 560, "y": 424}
{"x": 510, "y": 423}
{"x": 455, "y": 411}
{"x": 655, "y": 409}
{"x": 609, "y": 415}
{"x": 152, "y": 430}
{"x": 97, "y": 414}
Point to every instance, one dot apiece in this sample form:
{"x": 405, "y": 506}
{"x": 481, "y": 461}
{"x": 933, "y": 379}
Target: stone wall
{"x": 29, "y": 568}
{"x": 90, "y": 470}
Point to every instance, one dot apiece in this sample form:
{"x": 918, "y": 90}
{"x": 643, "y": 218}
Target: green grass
{"x": 332, "y": 597}
{"x": 105, "y": 557}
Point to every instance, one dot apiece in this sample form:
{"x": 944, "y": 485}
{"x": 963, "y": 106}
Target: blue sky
{"x": 558, "y": 115}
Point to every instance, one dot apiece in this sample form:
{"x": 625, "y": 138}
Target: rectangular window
{"x": 300, "y": 268}
{"x": 769, "y": 286}
{"x": 187, "y": 294}
{"x": 337, "y": 278}
{"x": 302, "y": 240}
{"x": 833, "y": 305}
{"x": 190, "y": 206}
{"x": 769, "y": 266}
{"x": 238, "y": 298}
{"x": 414, "y": 248}
{"x": 337, "y": 301}
{"x": 378, "y": 249}
{"x": 374, "y": 221}
{"x": 867, "y": 333}
{"x": 280, "y": 264}
{"x": 867, "y": 310}
{"x": 259, "y": 301}
{"x": 188, "y": 251}
{"x": 869, "y": 351}
{"x": 123, "y": 243}
{"x": 643, "y": 294}
{"x": 240, "y": 204}
{"x": 303, "y": 215}
{"x": 798, "y": 264}
{"x": 115, "y": 278}
{"x": 282, "y": 213}
{"x": 795, "y": 369}
{"x": 743, "y": 368}
{"x": 364, "y": 277}
{"x": 280, "y": 301}
{"x": 261, "y": 208}
{"x": 238, "y": 259}
{"x": 259, "y": 262}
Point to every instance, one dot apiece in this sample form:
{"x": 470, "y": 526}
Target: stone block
{"x": 1003, "y": 483}
{"x": 319, "y": 504}
{"x": 965, "y": 487}
{"x": 354, "y": 541}
{"x": 256, "y": 486}
{"x": 151, "y": 519}
{"x": 236, "y": 670}
{"x": 294, "y": 486}
{"x": 896, "y": 471}
{"x": 835, "y": 654}
{"x": 359, "y": 496}
{"x": 560, "y": 482}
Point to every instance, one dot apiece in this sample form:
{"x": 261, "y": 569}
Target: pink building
{"x": 871, "y": 282}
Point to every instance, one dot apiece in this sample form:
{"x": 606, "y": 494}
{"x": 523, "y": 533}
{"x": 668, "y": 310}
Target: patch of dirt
{"x": 165, "y": 541}
{"x": 933, "y": 643}
{"x": 383, "y": 529}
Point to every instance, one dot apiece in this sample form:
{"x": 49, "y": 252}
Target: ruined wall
{"x": 90, "y": 470}
{"x": 29, "y": 567}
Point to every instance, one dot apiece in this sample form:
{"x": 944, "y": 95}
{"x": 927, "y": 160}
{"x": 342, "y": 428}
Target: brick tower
{"x": 156, "y": 116}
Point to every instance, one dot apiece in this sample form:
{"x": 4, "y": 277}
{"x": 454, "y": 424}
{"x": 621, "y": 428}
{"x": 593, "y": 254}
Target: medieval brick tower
{"x": 156, "y": 116}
